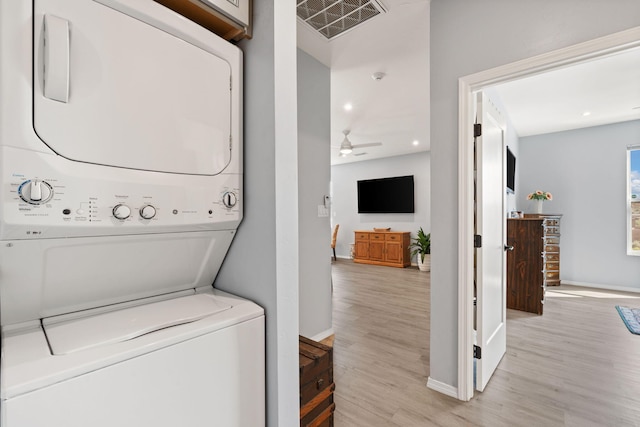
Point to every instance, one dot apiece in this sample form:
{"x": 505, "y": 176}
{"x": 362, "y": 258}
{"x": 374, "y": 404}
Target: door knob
{"x": 508, "y": 247}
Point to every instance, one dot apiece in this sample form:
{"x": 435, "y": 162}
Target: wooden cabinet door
{"x": 524, "y": 266}
{"x": 376, "y": 250}
{"x": 362, "y": 249}
{"x": 393, "y": 252}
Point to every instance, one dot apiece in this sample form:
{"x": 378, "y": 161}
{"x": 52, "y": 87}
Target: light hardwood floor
{"x": 577, "y": 365}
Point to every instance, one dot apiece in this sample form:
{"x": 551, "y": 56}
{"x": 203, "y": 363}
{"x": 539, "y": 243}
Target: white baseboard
{"x": 443, "y": 388}
{"x": 322, "y": 335}
{"x": 597, "y": 285}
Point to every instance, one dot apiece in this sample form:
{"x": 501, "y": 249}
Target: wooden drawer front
{"x": 376, "y": 236}
{"x": 551, "y": 275}
{"x": 551, "y": 256}
{"x": 552, "y": 231}
{"x": 362, "y": 236}
{"x": 551, "y": 240}
{"x": 551, "y": 266}
{"x": 555, "y": 222}
{"x": 393, "y": 237}
{"x": 548, "y": 249}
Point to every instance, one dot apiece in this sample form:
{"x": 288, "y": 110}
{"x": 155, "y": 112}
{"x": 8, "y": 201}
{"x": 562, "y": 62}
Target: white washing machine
{"x": 121, "y": 177}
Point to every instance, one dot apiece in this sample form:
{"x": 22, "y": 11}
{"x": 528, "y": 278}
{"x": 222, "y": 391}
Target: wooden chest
{"x": 316, "y": 384}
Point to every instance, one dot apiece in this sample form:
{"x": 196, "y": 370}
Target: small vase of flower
{"x": 539, "y": 196}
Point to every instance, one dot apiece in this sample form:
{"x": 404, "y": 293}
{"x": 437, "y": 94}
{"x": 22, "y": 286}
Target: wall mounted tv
{"x": 511, "y": 172}
{"x": 386, "y": 195}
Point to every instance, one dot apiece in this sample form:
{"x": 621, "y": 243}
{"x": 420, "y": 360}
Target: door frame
{"x": 467, "y": 85}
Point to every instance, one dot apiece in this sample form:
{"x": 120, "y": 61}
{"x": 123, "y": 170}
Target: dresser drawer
{"x": 376, "y": 236}
{"x": 551, "y": 275}
{"x": 551, "y": 249}
{"x": 552, "y": 231}
{"x": 393, "y": 237}
{"x": 362, "y": 236}
{"x": 551, "y": 240}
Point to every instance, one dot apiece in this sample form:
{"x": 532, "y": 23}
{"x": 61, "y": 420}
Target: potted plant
{"x": 422, "y": 247}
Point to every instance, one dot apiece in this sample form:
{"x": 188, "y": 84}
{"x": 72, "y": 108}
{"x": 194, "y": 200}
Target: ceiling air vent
{"x": 333, "y": 17}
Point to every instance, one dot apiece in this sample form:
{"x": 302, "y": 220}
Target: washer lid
{"x": 116, "y": 326}
{"x": 114, "y": 90}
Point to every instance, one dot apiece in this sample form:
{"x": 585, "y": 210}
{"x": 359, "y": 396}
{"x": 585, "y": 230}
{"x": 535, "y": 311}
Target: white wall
{"x": 262, "y": 263}
{"x": 344, "y": 202}
{"x": 586, "y": 173}
{"x": 468, "y": 37}
{"x": 314, "y": 157}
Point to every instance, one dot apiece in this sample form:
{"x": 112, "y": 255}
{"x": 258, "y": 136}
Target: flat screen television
{"x": 386, "y": 195}
{"x": 511, "y": 172}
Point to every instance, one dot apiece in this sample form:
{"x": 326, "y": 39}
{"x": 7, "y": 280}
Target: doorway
{"x": 583, "y": 52}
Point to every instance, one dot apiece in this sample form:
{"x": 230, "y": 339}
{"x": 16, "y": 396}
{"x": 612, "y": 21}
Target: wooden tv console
{"x": 389, "y": 248}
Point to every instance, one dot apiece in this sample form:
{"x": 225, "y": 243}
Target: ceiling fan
{"x": 346, "y": 147}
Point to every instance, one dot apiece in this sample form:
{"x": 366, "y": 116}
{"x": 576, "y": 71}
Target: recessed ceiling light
{"x": 348, "y": 106}
{"x": 586, "y": 113}
{"x": 416, "y": 142}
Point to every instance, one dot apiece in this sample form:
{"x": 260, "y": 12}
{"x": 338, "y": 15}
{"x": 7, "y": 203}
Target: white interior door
{"x": 491, "y": 226}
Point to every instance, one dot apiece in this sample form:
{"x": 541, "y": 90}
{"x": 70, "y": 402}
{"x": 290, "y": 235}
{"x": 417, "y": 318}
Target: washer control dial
{"x": 229, "y": 199}
{"x": 35, "y": 191}
{"x": 147, "y": 212}
{"x": 121, "y": 211}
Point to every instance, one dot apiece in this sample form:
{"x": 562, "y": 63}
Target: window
{"x": 633, "y": 200}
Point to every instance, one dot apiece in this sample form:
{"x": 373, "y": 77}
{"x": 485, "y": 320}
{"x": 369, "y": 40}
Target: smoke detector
{"x": 332, "y": 18}
{"x": 378, "y": 76}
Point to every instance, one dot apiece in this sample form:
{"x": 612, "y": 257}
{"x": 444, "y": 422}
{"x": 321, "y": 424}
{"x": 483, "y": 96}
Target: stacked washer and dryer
{"x": 121, "y": 175}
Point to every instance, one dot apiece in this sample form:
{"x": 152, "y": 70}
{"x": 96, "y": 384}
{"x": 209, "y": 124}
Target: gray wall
{"x": 262, "y": 263}
{"x": 314, "y": 126}
{"x": 587, "y": 176}
{"x": 468, "y": 37}
{"x": 344, "y": 203}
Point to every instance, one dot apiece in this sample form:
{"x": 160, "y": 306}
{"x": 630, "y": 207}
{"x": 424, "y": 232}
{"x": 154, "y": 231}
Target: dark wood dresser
{"x": 534, "y": 262}
{"x": 316, "y": 384}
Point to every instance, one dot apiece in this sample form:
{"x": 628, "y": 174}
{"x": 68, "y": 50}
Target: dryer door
{"x": 111, "y": 89}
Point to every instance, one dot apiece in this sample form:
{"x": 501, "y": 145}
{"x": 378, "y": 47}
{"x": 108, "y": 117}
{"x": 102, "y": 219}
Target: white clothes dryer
{"x": 121, "y": 177}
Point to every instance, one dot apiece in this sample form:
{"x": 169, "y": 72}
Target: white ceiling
{"x": 589, "y": 94}
{"x": 395, "y": 110}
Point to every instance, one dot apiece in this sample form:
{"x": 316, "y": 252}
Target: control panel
{"x": 49, "y": 205}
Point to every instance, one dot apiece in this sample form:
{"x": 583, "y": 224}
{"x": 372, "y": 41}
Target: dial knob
{"x": 229, "y": 199}
{"x": 35, "y": 191}
{"x": 121, "y": 211}
{"x": 147, "y": 212}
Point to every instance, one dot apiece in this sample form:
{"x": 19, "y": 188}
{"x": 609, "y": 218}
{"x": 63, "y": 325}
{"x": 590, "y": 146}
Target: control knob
{"x": 35, "y": 191}
{"x": 121, "y": 211}
{"x": 229, "y": 199}
{"x": 147, "y": 212}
